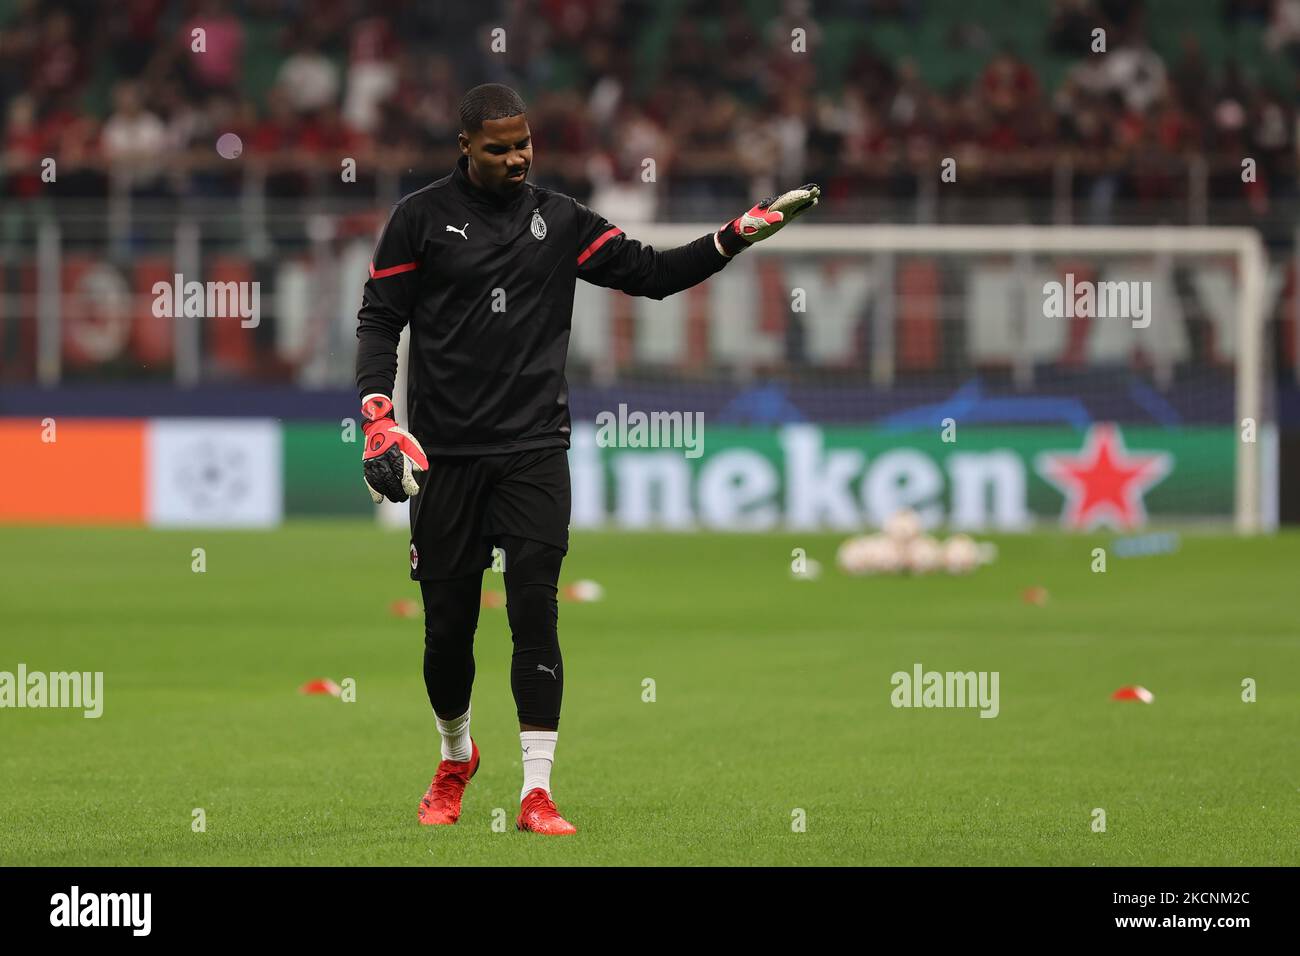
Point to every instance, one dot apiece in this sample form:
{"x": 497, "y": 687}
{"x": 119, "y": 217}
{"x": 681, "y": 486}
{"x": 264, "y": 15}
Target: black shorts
{"x": 465, "y": 503}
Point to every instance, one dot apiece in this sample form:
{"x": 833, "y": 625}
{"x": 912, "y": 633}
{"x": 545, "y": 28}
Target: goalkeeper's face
{"x": 500, "y": 154}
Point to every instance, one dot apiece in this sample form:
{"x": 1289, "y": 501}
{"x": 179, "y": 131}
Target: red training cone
{"x": 1035, "y": 595}
{"x": 321, "y": 685}
{"x": 1134, "y": 692}
{"x": 405, "y": 607}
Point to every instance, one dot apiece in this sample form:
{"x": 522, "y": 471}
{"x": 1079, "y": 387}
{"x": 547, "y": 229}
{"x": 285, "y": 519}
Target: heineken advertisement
{"x": 842, "y": 478}
{"x": 989, "y": 478}
{"x": 255, "y": 472}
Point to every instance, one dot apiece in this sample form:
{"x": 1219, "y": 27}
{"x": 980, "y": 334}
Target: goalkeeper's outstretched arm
{"x": 606, "y": 257}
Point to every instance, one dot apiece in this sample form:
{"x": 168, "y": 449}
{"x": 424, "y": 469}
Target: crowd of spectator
{"x": 726, "y": 113}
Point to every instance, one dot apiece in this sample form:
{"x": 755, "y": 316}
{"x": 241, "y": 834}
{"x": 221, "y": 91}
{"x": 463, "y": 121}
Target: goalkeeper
{"x": 482, "y": 265}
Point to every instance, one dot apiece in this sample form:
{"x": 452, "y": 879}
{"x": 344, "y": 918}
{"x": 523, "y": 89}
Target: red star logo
{"x": 1103, "y": 483}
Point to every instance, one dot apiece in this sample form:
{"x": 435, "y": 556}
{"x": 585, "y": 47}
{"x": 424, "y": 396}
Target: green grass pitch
{"x": 772, "y": 695}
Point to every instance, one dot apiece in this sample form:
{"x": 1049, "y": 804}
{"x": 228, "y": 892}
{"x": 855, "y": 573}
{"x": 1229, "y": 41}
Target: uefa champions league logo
{"x": 213, "y": 476}
{"x": 539, "y": 225}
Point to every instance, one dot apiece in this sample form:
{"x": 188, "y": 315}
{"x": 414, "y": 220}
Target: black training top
{"x": 487, "y": 285}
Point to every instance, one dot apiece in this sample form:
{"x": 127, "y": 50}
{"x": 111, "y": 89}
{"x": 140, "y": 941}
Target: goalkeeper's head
{"x": 494, "y": 135}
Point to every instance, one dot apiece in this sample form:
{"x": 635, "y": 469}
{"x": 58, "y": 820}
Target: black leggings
{"x": 532, "y": 573}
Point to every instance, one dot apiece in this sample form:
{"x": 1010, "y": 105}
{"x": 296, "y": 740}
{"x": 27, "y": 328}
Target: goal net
{"x": 991, "y": 378}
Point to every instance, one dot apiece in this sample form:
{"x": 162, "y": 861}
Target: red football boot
{"x": 538, "y": 814}
{"x": 441, "y": 802}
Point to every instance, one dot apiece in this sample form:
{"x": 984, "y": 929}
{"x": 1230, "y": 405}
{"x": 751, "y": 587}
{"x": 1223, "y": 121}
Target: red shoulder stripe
{"x": 591, "y": 249}
{"x": 392, "y": 270}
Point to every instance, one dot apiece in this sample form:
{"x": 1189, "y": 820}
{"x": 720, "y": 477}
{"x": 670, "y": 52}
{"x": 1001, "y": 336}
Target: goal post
{"x": 1030, "y": 252}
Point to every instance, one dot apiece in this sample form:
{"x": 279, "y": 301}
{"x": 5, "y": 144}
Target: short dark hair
{"x": 490, "y": 101}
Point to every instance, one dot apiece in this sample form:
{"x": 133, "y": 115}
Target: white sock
{"x": 455, "y": 737}
{"x": 539, "y": 753}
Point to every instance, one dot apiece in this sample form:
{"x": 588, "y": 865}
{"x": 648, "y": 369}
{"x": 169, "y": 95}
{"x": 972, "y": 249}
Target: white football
{"x": 902, "y": 526}
{"x": 887, "y": 556}
{"x": 853, "y": 556}
{"x": 924, "y": 555}
{"x": 586, "y": 591}
{"x": 961, "y": 554}
{"x": 812, "y": 570}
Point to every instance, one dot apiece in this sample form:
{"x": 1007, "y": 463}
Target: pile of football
{"x": 902, "y": 547}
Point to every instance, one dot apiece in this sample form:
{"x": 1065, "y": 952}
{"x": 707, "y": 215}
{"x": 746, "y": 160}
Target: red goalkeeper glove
{"x": 392, "y": 454}
{"x": 766, "y": 218}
